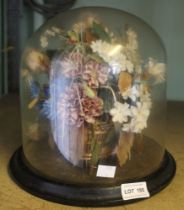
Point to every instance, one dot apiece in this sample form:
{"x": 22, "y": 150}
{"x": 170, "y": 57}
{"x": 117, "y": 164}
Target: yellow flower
{"x": 37, "y": 61}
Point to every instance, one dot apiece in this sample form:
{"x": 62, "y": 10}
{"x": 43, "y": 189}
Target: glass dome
{"x": 93, "y": 95}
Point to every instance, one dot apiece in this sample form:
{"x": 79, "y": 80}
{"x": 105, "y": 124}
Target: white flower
{"x": 138, "y": 92}
{"x": 127, "y": 94}
{"x": 109, "y": 52}
{"x": 127, "y": 127}
{"x": 44, "y": 41}
{"x": 120, "y": 112}
{"x": 50, "y": 33}
{"x": 56, "y": 29}
{"x": 79, "y": 27}
{"x": 90, "y": 20}
{"x": 132, "y": 93}
{"x": 138, "y": 69}
{"x": 145, "y": 99}
{"x": 141, "y": 92}
{"x": 129, "y": 66}
{"x": 156, "y": 70}
{"x": 135, "y": 126}
{"x": 113, "y": 55}
{"x": 140, "y": 115}
{"x": 118, "y": 64}
{"x": 140, "y": 112}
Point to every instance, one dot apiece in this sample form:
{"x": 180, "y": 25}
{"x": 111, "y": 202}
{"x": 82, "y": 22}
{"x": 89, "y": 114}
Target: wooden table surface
{"x": 14, "y": 198}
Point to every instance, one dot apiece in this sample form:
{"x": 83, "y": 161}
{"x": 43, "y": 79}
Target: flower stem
{"x": 79, "y": 100}
{"x": 112, "y": 91}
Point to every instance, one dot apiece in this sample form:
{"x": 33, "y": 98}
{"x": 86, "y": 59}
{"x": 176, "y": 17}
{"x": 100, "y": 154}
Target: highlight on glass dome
{"x": 93, "y": 110}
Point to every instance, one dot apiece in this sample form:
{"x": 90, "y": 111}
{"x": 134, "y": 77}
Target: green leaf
{"x": 95, "y": 57}
{"x": 73, "y": 36}
{"x": 88, "y": 91}
{"x": 99, "y": 30}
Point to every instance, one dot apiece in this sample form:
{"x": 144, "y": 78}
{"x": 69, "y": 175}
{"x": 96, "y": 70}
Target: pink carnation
{"x": 69, "y": 107}
{"x": 72, "y": 64}
{"x": 75, "y": 107}
{"x": 95, "y": 74}
{"x": 92, "y": 108}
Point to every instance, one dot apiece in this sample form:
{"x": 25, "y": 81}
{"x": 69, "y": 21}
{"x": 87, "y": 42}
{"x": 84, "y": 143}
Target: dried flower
{"x": 139, "y": 117}
{"x": 89, "y": 37}
{"x": 72, "y": 65}
{"x": 68, "y": 107}
{"x": 91, "y": 108}
{"x": 44, "y": 41}
{"x": 156, "y": 70}
{"x": 85, "y": 71}
{"x": 79, "y": 27}
{"x": 95, "y": 74}
{"x": 37, "y": 61}
{"x": 132, "y": 43}
{"x": 90, "y": 20}
{"x": 129, "y": 66}
{"x": 120, "y": 112}
{"x": 141, "y": 110}
{"x": 82, "y": 26}
{"x": 132, "y": 93}
{"x": 124, "y": 82}
{"x": 113, "y": 55}
{"x": 50, "y": 33}
{"x": 138, "y": 69}
{"x": 56, "y": 29}
{"x": 74, "y": 106}
{"x": 145, "y": 96}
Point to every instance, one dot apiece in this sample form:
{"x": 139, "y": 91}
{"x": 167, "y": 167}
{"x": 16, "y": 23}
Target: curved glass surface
{"x": 93, "y": 93}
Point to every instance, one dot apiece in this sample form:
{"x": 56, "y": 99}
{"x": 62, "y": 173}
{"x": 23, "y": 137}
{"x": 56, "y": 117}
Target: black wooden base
{"x": 84, "y": 195}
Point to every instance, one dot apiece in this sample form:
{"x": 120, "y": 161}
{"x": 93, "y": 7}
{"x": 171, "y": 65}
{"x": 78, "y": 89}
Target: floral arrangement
{"x": 95, "y": 84}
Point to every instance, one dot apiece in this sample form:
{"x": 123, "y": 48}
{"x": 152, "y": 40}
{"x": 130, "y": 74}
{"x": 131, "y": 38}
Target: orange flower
{"x": 89, "y": 37}
{"x": 125, "y": 81}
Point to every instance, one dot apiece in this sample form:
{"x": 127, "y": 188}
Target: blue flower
{"x": 46, "y": 91}
{"x": 45, "y": 109}
{"x": 35, "y": 89}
